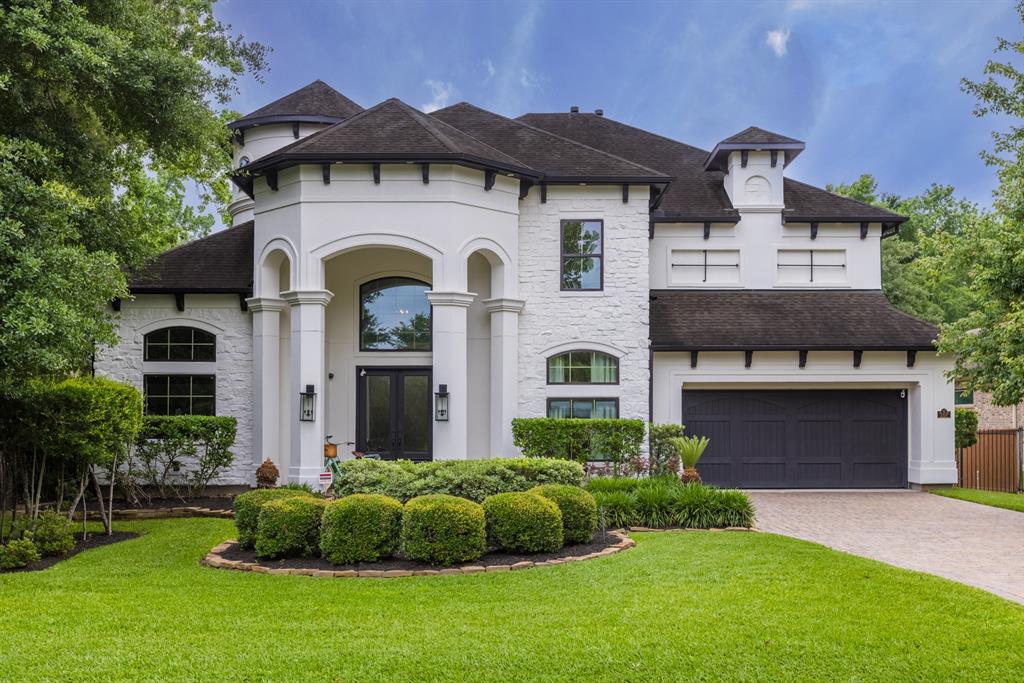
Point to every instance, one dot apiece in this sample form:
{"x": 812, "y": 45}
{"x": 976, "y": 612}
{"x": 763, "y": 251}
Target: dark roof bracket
{"x": 295, "y": 130}
{"x": 775, "y": 158}
{"x": 693, "y": 358}
{"x": 524, "y": 188}
{"x": 814, "y": 231}
{"x": 543, "y": 193}
{"x": 803, "y": 358}
{"x": 489, "y": 177}
{"x": 744, "y": 155}
{"x": 243, "y": 305}
{"x": 425, "y": 169}
{"x": 179, "y": 301}
{"x": 115, "y": 303}
{"x": 748, "y": 358}
{"x": 858, "y": 356}
{"x": 376, "y": 174}
{"x": 707, "y": 230}
{"x": 326, "y": 169}
{"x": 271, "y": 177}
{"x": 625, "y": 193}
{"x": 863, "y": 230}
{"x": 911, "y": 358}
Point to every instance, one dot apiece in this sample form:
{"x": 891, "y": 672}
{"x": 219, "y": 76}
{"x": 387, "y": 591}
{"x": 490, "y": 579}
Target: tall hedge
{"x": 580, "y": 440}
{"x": 965, "y": 427}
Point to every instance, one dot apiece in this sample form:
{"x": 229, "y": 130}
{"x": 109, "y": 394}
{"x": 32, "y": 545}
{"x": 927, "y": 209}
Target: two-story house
{"x": 408, "y": 283}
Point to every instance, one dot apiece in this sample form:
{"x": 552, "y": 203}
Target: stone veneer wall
{"x": 616, "y": 317}
{"x": 220, "y": 313}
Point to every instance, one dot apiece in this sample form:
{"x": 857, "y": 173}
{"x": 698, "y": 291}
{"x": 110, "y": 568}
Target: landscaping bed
{"x": 95, "y": 540}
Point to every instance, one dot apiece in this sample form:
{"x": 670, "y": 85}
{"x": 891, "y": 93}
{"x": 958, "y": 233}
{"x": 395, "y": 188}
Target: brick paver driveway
{"x": 974, "y": 544}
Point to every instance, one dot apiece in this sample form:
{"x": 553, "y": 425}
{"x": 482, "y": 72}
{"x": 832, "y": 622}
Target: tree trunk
{"x": 78, "y": 497}
{"x": 99, "y": 501}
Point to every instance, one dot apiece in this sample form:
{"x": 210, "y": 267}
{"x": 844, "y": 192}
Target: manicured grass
{"x": 996, "y": 499}
{"x": 679, "y": 606}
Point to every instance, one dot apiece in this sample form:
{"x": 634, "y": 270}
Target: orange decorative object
{"x": 330, "y": 450}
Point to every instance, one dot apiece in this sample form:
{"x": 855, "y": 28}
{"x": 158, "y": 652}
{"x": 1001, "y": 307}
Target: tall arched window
{"x": 394, "y": 315}
{"x": 180, "y": 344}
{"x": 583, "y": 367}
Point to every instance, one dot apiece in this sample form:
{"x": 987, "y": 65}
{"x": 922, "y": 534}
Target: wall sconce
{"x": 307, "y": 404}
{"x": 441, "y": 403}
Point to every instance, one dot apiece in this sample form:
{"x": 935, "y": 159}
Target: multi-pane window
{"x": 180, "y": 394}
{"x": 584, "y": 408}
{"x": 180, "y": 344}
{"x": 582, "y": 246}
{"x": 705, "y": 266}
{"x": 394, "y": 315}
{"x": 583, "y": 367}
{"x": 963, "y": 397}
{"x": 812, "y": 266}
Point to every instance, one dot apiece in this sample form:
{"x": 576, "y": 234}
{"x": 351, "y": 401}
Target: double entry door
{"x": 393, "y": 412}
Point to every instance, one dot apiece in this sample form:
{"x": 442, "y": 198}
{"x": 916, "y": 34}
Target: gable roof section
{"x": 315, "y": 103}
{"x": 752, "y": 320}
{"x": 558, "y": 158}
{"x": 752, "y": 138}
{"x": 759, "y": 136}
{"x": 221, "y": 262}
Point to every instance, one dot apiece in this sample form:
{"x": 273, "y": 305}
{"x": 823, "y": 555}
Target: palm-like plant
{"x": 689, "y": 449}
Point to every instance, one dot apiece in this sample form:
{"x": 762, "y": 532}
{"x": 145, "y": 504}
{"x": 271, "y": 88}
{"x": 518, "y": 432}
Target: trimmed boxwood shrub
{"x": 578, "y": 508}
{"x": 523, "y": 522}
{"x": 360, "y": 528}
{"x": 443, "y": 530}
{"x": 289, "y": 527}
{"x": 50, "y": 532}
{"x": 247, "y": 511}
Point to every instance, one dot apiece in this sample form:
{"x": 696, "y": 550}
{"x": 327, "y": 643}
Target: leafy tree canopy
{"x": 107, "y": 109}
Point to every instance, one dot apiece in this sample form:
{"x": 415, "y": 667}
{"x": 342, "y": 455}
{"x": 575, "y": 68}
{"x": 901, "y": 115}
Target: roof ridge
{"x": 625, "y": 125}
{"x": 292, "y": 146}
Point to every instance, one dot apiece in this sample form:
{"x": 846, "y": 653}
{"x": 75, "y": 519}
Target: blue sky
{"x": 871, "y": 87}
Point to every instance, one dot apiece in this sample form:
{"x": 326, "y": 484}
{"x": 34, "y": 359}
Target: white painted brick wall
{"x": 617, "y": 316}
{"x": 233, "y": 367}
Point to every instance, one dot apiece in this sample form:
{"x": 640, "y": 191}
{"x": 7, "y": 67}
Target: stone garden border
{"x": 214, "y": 559}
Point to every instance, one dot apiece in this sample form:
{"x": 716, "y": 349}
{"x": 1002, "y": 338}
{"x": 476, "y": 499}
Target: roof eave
{"x": 694, "y": 218}
{"x": 249, "y": 122}
{"x": 277, "y": 162}
{"x": 685, "y": 346}
{"x": 718, "y": 157}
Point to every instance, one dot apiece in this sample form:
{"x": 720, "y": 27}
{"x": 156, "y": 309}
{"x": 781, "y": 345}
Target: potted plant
{"x": 689, "y": 449}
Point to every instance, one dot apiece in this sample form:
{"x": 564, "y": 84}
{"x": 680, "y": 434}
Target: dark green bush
{"x": 653, "y": 505}
{"x": 360, "y": 528}
{"x": 18, "y": 553}
{"x": 50, "y": 532}
{"x": 523, "y": 522}
{"x": 578, "y": 508}
{"x": 611, "y": 485}
{"x": 965, "y": 427}
{"x": 663, "y": 458}
{"x": 615, "y": 509}
{"x": 184, "y": 449}
{"x": 665, "y": 501}
{"x": 289, "y": 527}
{"x": 247, "y": 511}
{"x": 443, "y": 530}
{"x": 580, "y": 440}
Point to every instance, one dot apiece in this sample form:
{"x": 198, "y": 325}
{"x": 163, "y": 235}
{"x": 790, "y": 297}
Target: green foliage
{"x": 472, "y": 479}
{"x": 106, "y": 112}
{"x": 615, "y": 509}
{"x": 247, "y": 511}
{"x": 18, "y": 553}
{"x": 663, "y": 458}
{"x": 50, "y": 532}
{"x": 289, "y": 527}
{"x": 966, "y": 427}
{"x": 666, "y": 501}
{"x": 187, "y": 449}
{"x": 653, "y": 504}
{"x": 695, "y": 506}
{"x": 578, "y": 508}
{"x": 91, "y": 419}
{"x": 443, "y": 530}
{"x": 612, "y": 485}
{"x": 580, "y": 440}
{"x": 360, "y": 528}
{"x": 523, "y": 522}
{"x": 690, "y": 449}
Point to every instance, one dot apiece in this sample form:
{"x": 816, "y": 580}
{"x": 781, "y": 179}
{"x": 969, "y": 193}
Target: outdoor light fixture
{"x": 307, "y": 404}
{"x": 441, "y": 403}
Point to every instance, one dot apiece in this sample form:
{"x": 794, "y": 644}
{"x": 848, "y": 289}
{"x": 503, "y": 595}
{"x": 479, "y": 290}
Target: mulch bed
{"x": 95, "y": 540}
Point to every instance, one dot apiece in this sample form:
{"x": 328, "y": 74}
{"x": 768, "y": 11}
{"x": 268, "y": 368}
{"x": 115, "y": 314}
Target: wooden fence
{"x": 994, "y": 463}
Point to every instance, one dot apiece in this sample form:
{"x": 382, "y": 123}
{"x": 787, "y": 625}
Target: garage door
{"x": 800, "y": 439}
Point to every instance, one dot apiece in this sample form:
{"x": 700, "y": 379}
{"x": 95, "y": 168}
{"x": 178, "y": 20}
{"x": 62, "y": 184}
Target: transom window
{"x": 582, "y": 255}
{"x": 180, "y": 394}
{"x": 805, "y": 266}
{"x": 584, "y": 408}
{"x": 583, "y": 367}
{"x": 701, "y": 266}
{"x": 394, "y": 315}
{"x": 180, "y": 344}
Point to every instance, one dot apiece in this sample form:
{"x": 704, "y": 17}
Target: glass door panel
{"x": 416, "y": 422}
{"x": 378, "y": 413}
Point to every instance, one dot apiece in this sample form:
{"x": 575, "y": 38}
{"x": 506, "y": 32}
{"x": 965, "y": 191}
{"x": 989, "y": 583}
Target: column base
{"x": 305, "y": 474}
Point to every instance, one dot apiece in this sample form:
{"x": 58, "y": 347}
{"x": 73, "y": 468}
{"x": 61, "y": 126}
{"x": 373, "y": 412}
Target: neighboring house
{"x": 991, "y": 416}
{"x": 557, "y": 264}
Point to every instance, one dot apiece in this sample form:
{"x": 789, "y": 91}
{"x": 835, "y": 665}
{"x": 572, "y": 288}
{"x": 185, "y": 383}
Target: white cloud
{"x": 491, "y": 70}
{"x": 777, "y": 40}
{"x": 528, "y": 79}
{"x": 441, "y": 92}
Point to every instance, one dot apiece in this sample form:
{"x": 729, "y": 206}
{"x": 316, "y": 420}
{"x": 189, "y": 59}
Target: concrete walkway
{"x": 974, "y": 544}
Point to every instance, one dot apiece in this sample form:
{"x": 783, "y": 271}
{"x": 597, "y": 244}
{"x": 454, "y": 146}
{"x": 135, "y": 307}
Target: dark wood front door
{"x": 393, "y": 413}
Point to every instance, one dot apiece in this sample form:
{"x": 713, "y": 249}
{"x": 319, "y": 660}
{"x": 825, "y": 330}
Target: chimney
{"x": 599, "y": 112}
{"x": 574, "y": 109}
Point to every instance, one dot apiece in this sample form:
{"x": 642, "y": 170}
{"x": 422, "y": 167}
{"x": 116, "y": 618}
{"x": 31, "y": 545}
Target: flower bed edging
{"x": 214, "y": 559}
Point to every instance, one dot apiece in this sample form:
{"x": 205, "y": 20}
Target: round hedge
{"x": 443, "y": 530}
{"x": 523, "y": 522}
{"x": 289, "y": 527}
{"x": 360, "y": 528}
{"x": 247, "y": 510}
{"x": 578, "y": 508}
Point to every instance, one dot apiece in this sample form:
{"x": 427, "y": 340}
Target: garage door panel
{"x": 761, "y": 438}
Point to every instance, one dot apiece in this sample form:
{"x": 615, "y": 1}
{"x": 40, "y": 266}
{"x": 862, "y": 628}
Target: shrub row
{"x": 666, "y": 502}
{"x": 472, "y": 479}
{"x": 615, "y": 440}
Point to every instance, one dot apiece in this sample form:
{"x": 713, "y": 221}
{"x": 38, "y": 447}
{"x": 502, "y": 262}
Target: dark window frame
{"x": 963, "y": 397}
{"x": 595, "y": 399}
{"x": 547, "y": 369}
{"x": 146, "y": 344}
{"x": 810, "y": 265}
{"x": 359, "y": 331}
{"x": 713, "y": 265}
{"x": 191, "y": 395}
{"x": 563, "y": 255}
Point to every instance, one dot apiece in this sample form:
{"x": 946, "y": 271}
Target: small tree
{"x": 690, "y": 449}
{"x": 966, "y": 428}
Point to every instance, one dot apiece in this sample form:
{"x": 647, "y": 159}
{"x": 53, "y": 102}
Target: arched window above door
{"x": 180, "y": 344}
{"x": 394, "y": 315}
{"x": 583, "y": 367}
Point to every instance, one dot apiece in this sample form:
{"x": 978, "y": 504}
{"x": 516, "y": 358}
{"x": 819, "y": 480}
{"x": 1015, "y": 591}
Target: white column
{"x": 504, "y": 372}
{"x": 451, "y": 368}
{"x": 307, "y": 347}
{"x": 266, "y": 368}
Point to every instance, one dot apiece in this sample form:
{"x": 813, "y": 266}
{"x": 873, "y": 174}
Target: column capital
{"x": 307, "y": 296}
{"x": 258, "y": 304}
{"x": 504, "y": 305}
{"x": 450, "y": 298}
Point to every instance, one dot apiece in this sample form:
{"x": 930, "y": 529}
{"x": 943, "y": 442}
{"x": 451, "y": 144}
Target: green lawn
{"x": 996, "y": 499}
{"x": 694, "y": 605}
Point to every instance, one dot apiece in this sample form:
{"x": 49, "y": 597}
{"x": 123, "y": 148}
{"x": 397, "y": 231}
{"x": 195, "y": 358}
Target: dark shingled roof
{"x": 316, "y": 102}
{"x": 392, "y": 130}
{"x": 557, "y": 157}
{"x": 705, "y": 320}
{"x": 221, "y": 262}
{"x": 759, "y": 136}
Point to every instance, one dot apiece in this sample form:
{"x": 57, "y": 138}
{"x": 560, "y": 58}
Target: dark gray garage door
{"x": 800, "y": 439}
